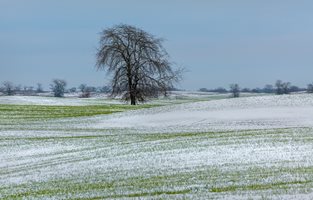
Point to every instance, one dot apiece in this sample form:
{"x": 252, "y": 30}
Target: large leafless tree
{"x": 137, "y": 61}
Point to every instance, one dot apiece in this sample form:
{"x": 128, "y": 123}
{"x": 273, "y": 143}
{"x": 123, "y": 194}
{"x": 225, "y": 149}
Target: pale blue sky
{"x": 252, "y": 42}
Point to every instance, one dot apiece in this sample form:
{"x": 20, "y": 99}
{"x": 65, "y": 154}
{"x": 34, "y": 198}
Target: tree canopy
{"x": 137, "y": 61}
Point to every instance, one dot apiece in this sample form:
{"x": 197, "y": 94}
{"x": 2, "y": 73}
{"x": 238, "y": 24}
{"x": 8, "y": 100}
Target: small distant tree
{"x": 235, "y": 90}
{"x": 82, "y": 87}
{"x": 282, "y": 87}
{"x": 286, "y": 87}
{"x": 310, "y": 88}
{"x": 86, "y": 90}
{"x": 279, "y": 87}
{"x": 86, "y": 93}
{"x": 58, "y": 87}
{"x": 39, "y": 88}
{"x": 8, "y": 88}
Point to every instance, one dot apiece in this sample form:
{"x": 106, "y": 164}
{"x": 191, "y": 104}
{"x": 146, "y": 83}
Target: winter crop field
{"x": 190, "y": 146}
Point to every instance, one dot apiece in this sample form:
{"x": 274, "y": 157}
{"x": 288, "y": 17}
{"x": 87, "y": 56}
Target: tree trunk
{"x": 132, "y": 99}
{"x": 130, "y": 86}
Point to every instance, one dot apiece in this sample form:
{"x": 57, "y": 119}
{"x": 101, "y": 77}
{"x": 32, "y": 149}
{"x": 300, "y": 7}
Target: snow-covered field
{"x": 257, "y": 147}
{"x": 263, "y": 112}
{"x": 40, "y": 100}
{"x": 72, "y": 99}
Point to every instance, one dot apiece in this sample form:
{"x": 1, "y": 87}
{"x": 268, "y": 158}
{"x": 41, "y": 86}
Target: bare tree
{"x": 138, "y": 62}
{"x": 39, "y": 88}
{"x": 310, "y": 88}
{"x": 286, "y": 87}
{"x": 58, "y": 87}
{"x": 86, "y": 90}
{"x": 235, "y": 90}
{"x": 282, "y": 87}
{"x": 279, "y": 87}
{"x": 8, "y": 88}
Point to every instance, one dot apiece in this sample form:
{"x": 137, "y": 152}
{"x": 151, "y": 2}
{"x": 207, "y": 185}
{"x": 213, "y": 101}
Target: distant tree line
{"x": 57, "y": 87}
{"x": 217, "y": 90}
{"x": 278, "y": 88}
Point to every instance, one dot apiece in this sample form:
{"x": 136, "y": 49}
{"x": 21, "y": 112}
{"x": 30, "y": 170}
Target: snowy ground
{"x": 263, "y": 112}
{"x": 69, "y": 101}
{"x": 245, "y": 148}
{"x": 72, "y": 99}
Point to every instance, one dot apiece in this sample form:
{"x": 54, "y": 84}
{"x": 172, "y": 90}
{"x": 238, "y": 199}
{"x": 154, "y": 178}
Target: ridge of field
{"x": 104, "y": 99}
{"x": 82, "y": 157}
{"x": 260, "y": 112}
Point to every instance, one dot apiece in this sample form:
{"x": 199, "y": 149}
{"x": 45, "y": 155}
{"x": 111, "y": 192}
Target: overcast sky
{"x": 252, "y": 42}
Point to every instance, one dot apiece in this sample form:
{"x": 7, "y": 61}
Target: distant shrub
{"x": 39, "y": 88}
{"x": 8, "y": 88}
{"x": 58, "y": 87}
{"x": 235, "y": 90}
{"x": 282, "y": 87}
{"x": 310, "y": 88}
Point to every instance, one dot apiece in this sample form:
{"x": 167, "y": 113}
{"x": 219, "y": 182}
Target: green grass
{"x": 168, "y": 185}
{"x": 20, "y": 114}
{"x": 272, "y": 186}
